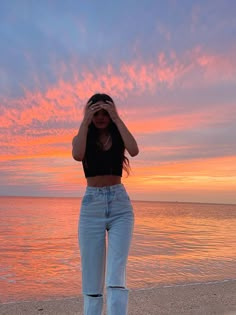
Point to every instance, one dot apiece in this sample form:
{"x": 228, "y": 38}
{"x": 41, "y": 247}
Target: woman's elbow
{"x": 77, "y": 157}
{"x": 134, "y": 152}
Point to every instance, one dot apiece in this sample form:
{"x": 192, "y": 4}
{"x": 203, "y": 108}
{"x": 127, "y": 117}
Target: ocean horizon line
{"x": 133, "y": 200}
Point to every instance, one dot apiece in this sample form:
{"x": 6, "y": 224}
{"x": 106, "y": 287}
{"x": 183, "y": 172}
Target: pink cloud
{"x": 65, "y": 99}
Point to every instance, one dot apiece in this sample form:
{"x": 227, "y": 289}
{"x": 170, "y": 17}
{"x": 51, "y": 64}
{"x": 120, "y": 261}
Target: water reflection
{"x": 172, "y": 243}
{"x": 177, "y": 242}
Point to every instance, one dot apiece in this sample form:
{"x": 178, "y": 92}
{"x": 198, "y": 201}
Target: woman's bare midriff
{"x": 104, "y": 180}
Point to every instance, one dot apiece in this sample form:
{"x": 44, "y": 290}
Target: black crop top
{"x": 102, "y": 163}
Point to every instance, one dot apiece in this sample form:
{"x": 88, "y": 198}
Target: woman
{"x": 100, "y": 145}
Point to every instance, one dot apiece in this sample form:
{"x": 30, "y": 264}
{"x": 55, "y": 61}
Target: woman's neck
{"x": 103, "y": 133}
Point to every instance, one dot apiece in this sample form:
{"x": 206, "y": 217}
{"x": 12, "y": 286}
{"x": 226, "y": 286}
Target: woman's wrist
{"x": 117, "y": 120}
{"x": 83, "y": 127}
{"x": 84, "y": 123}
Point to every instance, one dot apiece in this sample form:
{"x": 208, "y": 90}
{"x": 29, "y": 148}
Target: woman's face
{"x": 101, "y": 119}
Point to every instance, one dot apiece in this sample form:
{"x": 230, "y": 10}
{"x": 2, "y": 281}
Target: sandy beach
{"x": 192, "y": 299}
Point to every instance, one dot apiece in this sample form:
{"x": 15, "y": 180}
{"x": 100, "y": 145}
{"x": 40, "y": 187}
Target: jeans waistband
{"x": 104, "y": 189}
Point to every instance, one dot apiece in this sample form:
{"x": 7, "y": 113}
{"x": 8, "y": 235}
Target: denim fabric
{"x": 105, "y": 210}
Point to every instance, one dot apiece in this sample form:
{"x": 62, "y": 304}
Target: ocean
{"x": 173, "y": 243}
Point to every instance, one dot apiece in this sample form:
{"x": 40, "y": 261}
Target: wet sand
{"x": 192, "y": 299}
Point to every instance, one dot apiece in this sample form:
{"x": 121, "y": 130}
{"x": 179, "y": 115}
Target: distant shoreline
{"x": 133, "y": 200}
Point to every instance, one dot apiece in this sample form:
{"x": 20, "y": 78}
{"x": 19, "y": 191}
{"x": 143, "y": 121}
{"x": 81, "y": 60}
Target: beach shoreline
{"x": 218, "y": 298}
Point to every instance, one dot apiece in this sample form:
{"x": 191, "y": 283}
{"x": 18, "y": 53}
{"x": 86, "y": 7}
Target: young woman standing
{"x": 106, "y": 208}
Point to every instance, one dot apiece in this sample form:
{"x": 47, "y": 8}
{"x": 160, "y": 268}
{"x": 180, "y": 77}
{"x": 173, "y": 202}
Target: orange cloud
{"x": 182, "y": 180}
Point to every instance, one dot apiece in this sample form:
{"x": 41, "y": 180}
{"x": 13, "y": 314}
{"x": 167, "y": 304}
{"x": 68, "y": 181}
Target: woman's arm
{"x": 129, "y": 141}
{"x": 79, "y": 141}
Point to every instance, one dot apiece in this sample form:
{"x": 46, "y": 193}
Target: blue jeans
{"x": 105, "y": 209}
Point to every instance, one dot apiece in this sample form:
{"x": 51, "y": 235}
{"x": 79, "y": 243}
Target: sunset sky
{"x": 170, "y": 67}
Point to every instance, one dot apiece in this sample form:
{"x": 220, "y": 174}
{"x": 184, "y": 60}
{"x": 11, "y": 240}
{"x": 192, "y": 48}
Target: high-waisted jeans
{"x": 105, "y": 209}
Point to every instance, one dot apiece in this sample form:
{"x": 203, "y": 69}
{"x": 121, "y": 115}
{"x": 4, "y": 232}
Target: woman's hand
{"x": 111, "y": 109}
{"x": 90, "y": 110}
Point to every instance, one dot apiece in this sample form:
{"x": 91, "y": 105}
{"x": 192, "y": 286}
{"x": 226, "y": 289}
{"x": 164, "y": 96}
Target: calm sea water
{"x": 173, "y": 243}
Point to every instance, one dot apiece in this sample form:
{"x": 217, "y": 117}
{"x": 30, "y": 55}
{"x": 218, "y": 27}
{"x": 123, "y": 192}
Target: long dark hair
{"x": 93, "y": 146}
